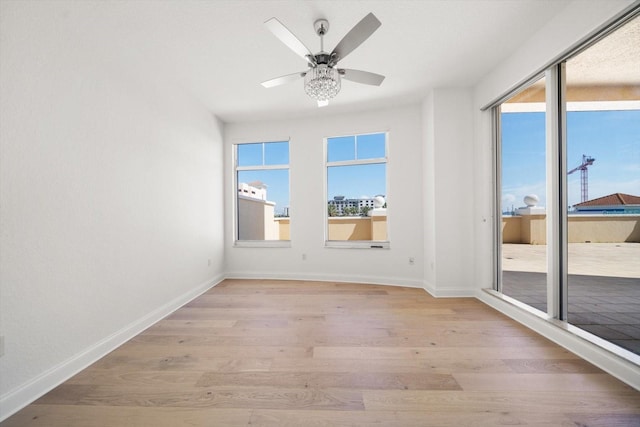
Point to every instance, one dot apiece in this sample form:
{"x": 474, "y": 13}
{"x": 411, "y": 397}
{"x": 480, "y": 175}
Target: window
{"x": 590, "y": 213}
{"x": 262, "y": 187}
{"x": 356, "y": 168}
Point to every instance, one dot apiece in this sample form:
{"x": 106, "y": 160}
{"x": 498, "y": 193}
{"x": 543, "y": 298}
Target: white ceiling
{"x": 220, "y": 51}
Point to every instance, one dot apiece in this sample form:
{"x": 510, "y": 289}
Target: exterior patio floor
{"x": 603, "y": 291}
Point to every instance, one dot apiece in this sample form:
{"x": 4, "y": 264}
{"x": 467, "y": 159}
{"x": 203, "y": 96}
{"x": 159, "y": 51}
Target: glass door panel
{"x": 603, "y": 188}
{"x": 523, "y": 196}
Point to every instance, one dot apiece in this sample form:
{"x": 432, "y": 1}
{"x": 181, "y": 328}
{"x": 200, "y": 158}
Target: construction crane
{"x": 584, "y": 176}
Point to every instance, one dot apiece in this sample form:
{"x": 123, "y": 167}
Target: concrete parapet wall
{"x": 511, "y": 226}
{"x": 346, "y": 228}
{"x": 531, "y": 229}
{"x": 604, "y": 228}
{"x": 284, "y": 228}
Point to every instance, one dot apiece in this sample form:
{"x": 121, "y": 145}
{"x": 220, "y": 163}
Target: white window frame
{"x": 236, "y": 168}
{"x": 355, "y": 244}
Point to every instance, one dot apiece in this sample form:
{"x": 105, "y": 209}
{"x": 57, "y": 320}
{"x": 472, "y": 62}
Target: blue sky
{"x": 355, "y": 181}
{"x": 349, "y": 181}
{"x": 611, "y": 137}
{"x": 276, "y": 180}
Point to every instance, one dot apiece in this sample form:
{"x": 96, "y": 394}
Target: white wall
{"x": 308, "y": 204}
{"x": 110, "y": 194}
{"x": 448, "y": 186}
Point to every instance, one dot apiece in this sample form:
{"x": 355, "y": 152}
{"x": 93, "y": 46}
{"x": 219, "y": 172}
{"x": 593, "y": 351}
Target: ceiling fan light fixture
{"x": 322, "y": 82}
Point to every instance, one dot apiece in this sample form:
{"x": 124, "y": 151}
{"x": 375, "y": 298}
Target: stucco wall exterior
{"x": 255, "y": 220}
{"x": 582, "y": 228}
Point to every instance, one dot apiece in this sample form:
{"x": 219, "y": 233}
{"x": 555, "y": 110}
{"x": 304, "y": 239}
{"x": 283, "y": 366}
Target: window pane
{"x": 603, "y": 188}
{"x": 249, "y": 154}
{"x": 339, "y": 149}
{"x": 263, "y": 204}
{"x": 276, "y": 153}
{"x": 371, "y": 146}
{"x": 352, "y": 192}
{"x": 523, "y": 155}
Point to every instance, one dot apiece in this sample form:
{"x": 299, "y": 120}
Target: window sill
{"x": 262, "y": 244}
{"x": 356, "y": 244}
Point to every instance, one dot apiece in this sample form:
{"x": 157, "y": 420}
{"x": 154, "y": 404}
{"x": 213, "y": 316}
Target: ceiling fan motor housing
{"x": 323, "y": 58}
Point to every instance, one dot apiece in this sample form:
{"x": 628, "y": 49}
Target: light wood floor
{"x": 291, "y": 353}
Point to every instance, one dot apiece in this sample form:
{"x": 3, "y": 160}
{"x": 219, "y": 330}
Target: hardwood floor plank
{"x": 605, "y": 420}
{"x": 538, "y": 382}
{"x": 346, "y": 365}
{"x": 205, "y": 397}
{"x": 436, "y": 352}
{"x": 442, "y": 366}
{"x": 212, "y": 351}
{"x": 136, "y": 377}
{"x": 297, "y": 418}
{"x": 363, "y": 353}
{"x": 559, "y": 402}
{"x": 330, "y": 380}
{"x": 120, "y": 416}
{"x": 548, "y": 366}
{"x": 182, "y": 363}
{"x": 455, "y": 366}
{"x": 487, "y": 328}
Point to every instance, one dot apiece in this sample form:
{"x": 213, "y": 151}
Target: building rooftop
{"x": 616, "y": 199}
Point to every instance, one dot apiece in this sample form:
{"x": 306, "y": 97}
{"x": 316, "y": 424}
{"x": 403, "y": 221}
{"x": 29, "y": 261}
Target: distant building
{"x": 254, "y": 190}
{"x": 617, "y": 203}
{"x": 340, "y": 202}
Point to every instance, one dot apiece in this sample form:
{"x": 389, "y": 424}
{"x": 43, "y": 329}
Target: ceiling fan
{"x": 322, "y": 79}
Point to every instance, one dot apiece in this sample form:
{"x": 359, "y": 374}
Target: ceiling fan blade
{"x": 284, "y": 79}
{"x": 287, "y": 37}
{"x": 323, "y": 103}
{"x": 364, "y": 77}
{"x": 356, "y": 36}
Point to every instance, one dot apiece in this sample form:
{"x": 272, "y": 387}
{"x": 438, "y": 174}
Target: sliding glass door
{"x": 568, "y": 157}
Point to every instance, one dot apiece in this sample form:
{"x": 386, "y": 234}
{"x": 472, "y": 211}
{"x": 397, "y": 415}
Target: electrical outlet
{"x": 304, "y": 257}
{"x": 209, "y": 262}
{"x": 412, "y": 260}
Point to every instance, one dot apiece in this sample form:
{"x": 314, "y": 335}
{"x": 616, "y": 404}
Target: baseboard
{"x": 626, "y": 368}
{"x": 448, "y": 293}
{"x": 375, "y": 280}
{"x": 14, "y": 400}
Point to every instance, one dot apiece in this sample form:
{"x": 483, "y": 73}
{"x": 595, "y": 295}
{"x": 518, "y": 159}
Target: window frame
{"x": 237, "y": 242}
{"x": 355, "y": 244}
